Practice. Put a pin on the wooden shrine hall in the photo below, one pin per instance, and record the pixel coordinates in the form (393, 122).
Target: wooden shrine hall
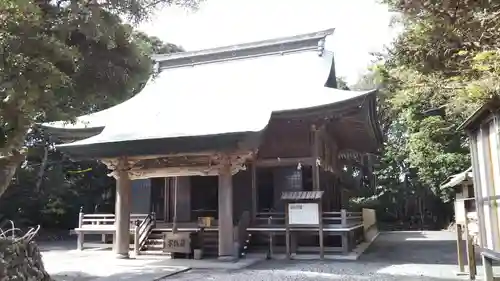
(213, 142)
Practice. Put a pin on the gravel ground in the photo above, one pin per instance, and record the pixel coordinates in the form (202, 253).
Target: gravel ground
(393, 256)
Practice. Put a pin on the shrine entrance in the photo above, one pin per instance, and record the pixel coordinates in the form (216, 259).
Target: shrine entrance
(204, 196)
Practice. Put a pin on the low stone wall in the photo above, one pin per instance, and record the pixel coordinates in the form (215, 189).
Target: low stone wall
(21, 261)
(369, 224)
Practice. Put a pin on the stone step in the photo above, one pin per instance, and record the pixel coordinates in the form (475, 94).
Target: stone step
(154, 241)
(154, 253)
(153, 247)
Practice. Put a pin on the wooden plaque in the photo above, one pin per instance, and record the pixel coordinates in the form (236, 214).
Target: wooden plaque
(177, 243)
(460, 214)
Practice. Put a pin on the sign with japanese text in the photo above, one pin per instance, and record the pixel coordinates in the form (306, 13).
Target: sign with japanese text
(303, 214)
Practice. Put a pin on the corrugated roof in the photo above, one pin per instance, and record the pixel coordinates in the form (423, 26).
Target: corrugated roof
(301, 195)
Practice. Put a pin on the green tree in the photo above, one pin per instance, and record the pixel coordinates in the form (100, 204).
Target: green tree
(342, 84)
(442, 66)
(61, 59)
(49, 188)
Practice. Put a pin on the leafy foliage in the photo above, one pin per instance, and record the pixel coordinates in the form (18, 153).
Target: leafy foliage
(61, 59)
(442, 66)
(50, 191)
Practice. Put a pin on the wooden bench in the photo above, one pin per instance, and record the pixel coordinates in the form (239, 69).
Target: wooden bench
(103, 224)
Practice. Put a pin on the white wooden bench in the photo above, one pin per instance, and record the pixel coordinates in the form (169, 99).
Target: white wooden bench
(103, 224)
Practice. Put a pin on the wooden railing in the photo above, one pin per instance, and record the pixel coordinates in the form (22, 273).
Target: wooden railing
(142, 231)
(103, 224)
(103, 220)
(342, 218)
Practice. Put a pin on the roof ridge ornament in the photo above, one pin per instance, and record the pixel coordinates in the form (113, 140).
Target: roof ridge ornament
(321, 46)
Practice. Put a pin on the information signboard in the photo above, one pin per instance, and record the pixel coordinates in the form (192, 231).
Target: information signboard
(460, 214)
(303, 214)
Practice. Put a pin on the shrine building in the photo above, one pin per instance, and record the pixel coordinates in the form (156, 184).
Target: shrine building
(227, 133)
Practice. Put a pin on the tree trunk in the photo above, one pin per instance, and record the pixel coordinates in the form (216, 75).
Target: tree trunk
(43, 166)
(8, 167)
(12, 153)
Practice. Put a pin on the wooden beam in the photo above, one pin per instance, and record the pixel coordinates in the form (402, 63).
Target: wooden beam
(179, 172)
(307, 161)
(215, 156)
(144, 157)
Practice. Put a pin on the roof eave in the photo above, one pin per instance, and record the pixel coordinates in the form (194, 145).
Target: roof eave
(374, 120)
(457, 179)
(220, 142)
(72, 134)
(486, 109)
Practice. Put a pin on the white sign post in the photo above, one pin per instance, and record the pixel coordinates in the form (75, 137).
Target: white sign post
(303, 214)
(303, 210)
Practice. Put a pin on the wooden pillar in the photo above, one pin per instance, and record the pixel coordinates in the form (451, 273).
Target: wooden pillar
(469, 246)
(315, 154)
(122, 211)
(226, 236)
(81, 235)
(166, 199)
(460, 250)
(254, 189)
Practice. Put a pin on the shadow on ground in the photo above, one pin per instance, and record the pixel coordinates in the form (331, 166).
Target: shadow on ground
(413, 247)
(427, 256)
(65, 245)
(72, 276)
(140, 274)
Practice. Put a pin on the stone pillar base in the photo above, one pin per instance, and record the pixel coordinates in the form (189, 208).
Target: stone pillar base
(227, 259)
(122, 256)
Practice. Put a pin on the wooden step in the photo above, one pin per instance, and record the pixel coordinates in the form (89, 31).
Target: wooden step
(211, 243)
(154, 253)
(154, 241)
(152, 247)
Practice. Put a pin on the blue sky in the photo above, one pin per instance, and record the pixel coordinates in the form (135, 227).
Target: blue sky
(362, 26)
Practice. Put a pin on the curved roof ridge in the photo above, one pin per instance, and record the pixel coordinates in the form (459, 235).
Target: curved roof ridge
(295, 43)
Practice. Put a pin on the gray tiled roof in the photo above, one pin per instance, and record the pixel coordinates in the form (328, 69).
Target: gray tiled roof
(301, 195)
